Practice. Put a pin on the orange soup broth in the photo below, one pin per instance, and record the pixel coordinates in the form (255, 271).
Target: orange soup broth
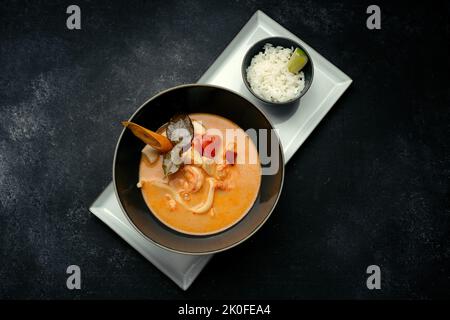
(229, 206)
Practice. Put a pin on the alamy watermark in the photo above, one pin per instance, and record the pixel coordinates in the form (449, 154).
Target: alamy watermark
(230, 145)
(74, 280)
(374, 20)
(374, 280)
(73, 22)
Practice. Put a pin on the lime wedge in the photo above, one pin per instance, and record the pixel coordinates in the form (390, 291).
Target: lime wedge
(297, 61)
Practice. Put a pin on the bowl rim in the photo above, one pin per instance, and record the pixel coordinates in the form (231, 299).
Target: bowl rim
(211, 251)
(247, 84)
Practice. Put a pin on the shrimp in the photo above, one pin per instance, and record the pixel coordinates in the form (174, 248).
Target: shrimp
(226, 185)
(171, 202)
(194, 177)
(190, 179)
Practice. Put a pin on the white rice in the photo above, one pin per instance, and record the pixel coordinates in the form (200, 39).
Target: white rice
(270, 78)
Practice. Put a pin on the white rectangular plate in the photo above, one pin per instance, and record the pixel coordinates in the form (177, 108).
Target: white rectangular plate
(328, 85)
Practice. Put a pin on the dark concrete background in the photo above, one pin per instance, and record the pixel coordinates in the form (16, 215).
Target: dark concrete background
(369, 186)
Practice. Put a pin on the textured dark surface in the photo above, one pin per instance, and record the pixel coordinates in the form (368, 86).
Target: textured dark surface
(369, 186)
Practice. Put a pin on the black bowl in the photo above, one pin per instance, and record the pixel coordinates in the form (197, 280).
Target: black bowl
(154, 113)
(308, 70)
